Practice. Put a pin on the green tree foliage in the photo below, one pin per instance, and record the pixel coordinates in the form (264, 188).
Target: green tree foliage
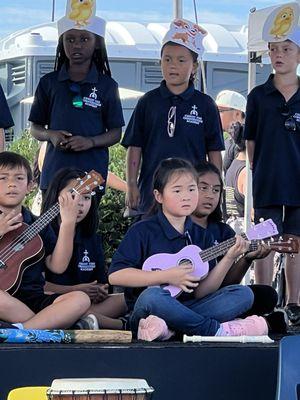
(113, 225)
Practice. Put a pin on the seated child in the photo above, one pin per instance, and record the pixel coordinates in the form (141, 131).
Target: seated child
(203, 308)
(209, 216)
(29, 306)
(85, 269)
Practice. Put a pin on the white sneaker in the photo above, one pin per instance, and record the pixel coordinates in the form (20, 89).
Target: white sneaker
(89, 322)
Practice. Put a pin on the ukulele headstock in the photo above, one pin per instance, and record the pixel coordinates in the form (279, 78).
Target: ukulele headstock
(88, 183)
(290, 246)
(262, 230)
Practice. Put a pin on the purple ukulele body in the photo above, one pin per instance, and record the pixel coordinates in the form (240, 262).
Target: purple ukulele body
(199, 258)
(189, 254)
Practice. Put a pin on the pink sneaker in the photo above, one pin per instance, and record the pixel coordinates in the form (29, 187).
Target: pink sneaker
(250, 326)
(153, 328)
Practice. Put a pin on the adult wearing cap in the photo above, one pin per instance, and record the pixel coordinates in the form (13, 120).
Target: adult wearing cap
(232, 107)
(272, 131)
(6, 120)
(174, 120)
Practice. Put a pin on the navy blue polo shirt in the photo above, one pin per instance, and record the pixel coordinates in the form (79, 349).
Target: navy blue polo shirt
(86, 265)
(276, 163)
(152, 236)
(101, 112)
(33, 280)
(6, 120)
(197, 132)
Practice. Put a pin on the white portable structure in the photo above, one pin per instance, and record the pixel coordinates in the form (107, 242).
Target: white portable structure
(134, 53)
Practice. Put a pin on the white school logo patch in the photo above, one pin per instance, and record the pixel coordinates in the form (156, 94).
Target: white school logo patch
(86, 264)
(92, 100)
(193, 117)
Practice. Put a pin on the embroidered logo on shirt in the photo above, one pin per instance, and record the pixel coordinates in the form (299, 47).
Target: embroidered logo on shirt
(92, 101)
(193, 117)
(297, 117)
(86, 264)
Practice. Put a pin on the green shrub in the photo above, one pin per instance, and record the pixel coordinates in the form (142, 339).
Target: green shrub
(113, 225)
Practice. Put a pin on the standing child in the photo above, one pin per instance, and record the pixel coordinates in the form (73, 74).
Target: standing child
(174, 120)
(208, 215)
(203, 308)
(85, 269)
(29, 307)
(272, 131)
(77, 108)
(6, 120)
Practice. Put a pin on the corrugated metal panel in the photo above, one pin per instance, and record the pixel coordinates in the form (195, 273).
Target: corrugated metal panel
(18, 73)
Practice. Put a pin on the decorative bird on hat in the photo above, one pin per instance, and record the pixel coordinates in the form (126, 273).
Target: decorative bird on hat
(282, 22)
(81, 11)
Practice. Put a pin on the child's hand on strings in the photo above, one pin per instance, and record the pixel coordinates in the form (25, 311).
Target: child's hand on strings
(69, 207)
(10, 222)
(262, 251)
(181, 277)
(240, 247)
(79, 143)
(59, 138)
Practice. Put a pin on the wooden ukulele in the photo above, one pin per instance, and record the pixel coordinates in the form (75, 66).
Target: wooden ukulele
(24, 247)
(199, 258)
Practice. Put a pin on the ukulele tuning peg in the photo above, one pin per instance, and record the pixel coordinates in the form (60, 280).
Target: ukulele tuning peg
(101, 187)
(272, 239)
(280, 239)
(93, 193)
(261, 219)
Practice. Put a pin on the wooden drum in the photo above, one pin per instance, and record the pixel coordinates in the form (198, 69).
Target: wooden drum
(99, 389)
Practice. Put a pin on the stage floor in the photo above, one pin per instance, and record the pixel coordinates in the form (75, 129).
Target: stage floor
(177, 371)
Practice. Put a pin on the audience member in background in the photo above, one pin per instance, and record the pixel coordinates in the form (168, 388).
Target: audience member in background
(232, 106)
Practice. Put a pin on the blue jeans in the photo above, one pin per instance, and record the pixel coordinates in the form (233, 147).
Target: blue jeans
(193, 317)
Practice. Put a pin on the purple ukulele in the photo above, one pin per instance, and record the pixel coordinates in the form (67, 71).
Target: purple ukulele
(199, 258)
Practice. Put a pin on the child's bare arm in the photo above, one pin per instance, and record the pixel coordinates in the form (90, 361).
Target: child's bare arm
(133, 160)
(250, 145)
(57, 138)
(215, 157)
(178, 276)
(81, 143)
(59, 260)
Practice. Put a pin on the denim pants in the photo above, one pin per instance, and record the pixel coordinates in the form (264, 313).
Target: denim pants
(196, 316)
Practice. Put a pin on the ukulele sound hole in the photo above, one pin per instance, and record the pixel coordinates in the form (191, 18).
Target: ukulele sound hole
(185, 261)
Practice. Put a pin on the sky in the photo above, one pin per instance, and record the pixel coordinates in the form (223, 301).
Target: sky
(20, 14)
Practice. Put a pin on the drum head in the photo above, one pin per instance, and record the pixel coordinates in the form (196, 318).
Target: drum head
(100, 386)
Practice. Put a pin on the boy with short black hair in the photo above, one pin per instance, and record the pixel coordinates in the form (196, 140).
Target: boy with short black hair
(30, 307)
(272, 131)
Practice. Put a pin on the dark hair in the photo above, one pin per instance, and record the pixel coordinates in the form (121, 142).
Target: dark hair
(60, 180)
(99, 56)
(194, 55)
(236, 131)
(11, 160)
(203, 168)
(163, 173)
